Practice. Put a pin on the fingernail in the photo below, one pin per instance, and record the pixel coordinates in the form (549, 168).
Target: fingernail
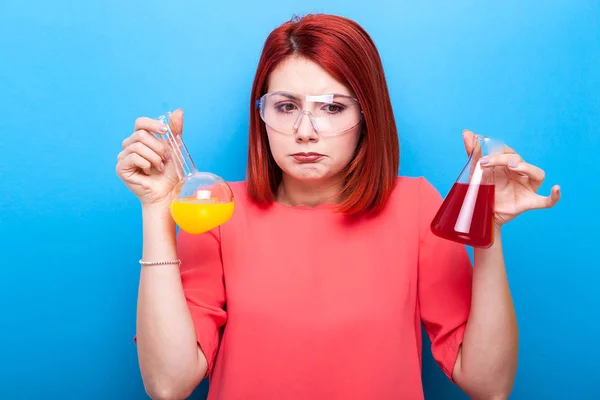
(512, 164)
(167, 155)
(163, 129)
(484, 161)
(162, 167)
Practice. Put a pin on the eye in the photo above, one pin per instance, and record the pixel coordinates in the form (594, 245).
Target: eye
(285, 107)
(333, 108)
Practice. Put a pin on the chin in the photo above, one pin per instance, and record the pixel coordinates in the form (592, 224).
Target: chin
(309, 173)
(310, 178)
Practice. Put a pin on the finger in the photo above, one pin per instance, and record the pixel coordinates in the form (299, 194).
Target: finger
(148, 139)
(150, 125)
(508, 150)
(495, 160)
(146, 152)
(535, 174)
(547, 201)
(134, 160)
(176, 122)
(468, 140)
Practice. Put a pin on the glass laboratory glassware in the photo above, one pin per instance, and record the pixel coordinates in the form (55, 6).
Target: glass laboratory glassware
(200, 201)
(467, 213)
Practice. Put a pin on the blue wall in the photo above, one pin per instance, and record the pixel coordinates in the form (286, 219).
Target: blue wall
(75, 75)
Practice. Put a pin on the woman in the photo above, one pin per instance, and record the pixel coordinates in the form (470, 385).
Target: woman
(318, 285)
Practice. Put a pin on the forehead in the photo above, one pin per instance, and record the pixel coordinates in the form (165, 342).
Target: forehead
(304, 77)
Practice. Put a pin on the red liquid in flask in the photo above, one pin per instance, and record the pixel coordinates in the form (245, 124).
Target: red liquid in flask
(467, 215)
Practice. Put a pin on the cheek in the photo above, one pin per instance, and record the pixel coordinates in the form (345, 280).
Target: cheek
(347, 146)
(279, 144)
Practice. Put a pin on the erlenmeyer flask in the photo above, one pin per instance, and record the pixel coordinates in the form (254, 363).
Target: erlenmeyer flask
(467, 214)
(200, 201)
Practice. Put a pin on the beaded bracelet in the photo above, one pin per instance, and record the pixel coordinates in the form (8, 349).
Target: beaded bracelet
(149, 263)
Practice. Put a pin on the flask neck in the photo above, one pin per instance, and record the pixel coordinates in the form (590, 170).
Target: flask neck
(473, 172)
(185, 165)
(177, 149)
(484, 146)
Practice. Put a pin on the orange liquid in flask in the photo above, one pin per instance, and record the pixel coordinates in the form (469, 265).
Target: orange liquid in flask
(198, 216)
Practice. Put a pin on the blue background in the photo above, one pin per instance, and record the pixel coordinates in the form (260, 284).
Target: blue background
(75, 75)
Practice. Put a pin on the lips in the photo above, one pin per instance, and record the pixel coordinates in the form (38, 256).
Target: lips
(307, 157)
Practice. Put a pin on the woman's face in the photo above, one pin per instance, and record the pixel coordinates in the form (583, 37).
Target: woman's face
(304, 154)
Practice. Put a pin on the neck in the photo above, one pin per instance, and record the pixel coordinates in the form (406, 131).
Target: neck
(297, 193)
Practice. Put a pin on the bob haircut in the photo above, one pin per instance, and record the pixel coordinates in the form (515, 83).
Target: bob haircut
(346, 51)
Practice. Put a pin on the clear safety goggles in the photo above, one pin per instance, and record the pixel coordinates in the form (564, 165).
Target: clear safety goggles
(329, 114)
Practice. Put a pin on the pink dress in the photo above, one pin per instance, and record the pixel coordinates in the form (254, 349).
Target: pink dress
(300, 303)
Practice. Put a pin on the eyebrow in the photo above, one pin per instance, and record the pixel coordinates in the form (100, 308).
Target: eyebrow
(286, 94)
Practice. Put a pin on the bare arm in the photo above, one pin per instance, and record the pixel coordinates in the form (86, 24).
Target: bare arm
(486, 365)
(171, 362)
(170, 359)
(487, 362)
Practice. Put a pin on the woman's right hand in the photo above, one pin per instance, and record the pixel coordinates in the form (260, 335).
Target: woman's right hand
(144, 165)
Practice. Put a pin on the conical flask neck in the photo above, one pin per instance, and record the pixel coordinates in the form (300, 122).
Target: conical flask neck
(474, 172)
(483, 146)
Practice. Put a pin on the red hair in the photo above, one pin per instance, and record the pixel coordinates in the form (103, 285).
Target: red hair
(345, 50)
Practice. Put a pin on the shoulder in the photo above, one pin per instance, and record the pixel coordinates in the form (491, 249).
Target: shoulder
(238, 188)
(413, 199)
(415, 188)
(237, 184)
(241, 198)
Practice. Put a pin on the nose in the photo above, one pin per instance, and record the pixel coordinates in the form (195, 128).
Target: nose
(306, 131)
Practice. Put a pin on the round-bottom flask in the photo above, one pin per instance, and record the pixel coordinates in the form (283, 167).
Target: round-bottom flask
(200, 201)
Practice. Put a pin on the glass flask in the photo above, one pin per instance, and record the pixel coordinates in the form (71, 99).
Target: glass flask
(200, 201)
(467, 214)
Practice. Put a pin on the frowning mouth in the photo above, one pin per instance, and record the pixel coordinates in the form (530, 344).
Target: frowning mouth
(307, 157)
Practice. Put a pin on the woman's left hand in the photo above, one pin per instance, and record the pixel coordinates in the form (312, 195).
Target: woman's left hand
(516, 183)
